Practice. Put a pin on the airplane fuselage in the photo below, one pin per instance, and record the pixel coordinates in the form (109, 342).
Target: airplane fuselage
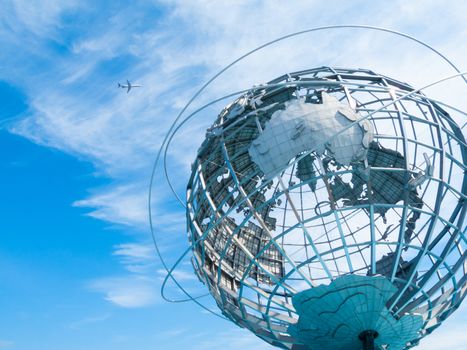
(127, 86)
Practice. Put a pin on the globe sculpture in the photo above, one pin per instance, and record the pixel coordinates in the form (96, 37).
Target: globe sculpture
(326, 211)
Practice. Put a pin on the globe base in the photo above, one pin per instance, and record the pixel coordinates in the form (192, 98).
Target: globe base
(368, 339)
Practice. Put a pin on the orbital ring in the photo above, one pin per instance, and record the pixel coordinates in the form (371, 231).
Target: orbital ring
(172, 269)
(172, 132)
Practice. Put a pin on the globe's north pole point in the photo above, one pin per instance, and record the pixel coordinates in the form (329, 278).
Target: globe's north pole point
(329, 211)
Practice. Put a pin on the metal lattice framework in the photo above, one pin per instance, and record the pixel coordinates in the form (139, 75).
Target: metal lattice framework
(257, 240)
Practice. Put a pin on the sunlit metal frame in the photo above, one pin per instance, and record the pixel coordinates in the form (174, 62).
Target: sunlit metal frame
(278, 313)
(178, 123)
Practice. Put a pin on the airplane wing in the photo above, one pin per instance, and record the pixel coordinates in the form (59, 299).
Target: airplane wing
(129, 88)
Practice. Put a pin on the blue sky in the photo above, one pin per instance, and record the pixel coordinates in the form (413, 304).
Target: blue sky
(77, 268)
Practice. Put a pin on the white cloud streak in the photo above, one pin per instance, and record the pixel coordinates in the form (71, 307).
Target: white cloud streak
(127, 291)
(89, 321)
(123, 205)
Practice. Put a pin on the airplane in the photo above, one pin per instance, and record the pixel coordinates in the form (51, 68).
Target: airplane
(127, 86)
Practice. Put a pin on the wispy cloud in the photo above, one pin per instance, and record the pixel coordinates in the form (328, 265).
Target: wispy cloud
(137, 288)
(125, 205)
(134, 253)
(127, 291)
(171, 333)
(41, 18)
(89, 321)
(137, 257)
(180, 275)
